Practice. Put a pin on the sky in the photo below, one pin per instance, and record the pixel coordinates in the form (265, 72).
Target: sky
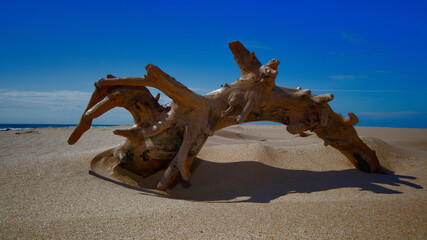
(371, 55)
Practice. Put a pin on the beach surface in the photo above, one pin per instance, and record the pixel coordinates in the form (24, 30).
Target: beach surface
(249, 182)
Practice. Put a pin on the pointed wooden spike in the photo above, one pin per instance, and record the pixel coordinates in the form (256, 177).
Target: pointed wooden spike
(247, 62)
(353, 120)
(130, 134)
(168, 177)
(84, 124)
(172, 88)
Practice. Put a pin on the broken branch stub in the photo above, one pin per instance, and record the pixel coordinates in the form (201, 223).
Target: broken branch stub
(171, 136)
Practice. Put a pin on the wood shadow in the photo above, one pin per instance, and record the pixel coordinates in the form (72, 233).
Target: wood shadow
(260, 183)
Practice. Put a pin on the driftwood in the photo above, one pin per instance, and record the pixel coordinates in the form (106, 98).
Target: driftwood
(171, 136)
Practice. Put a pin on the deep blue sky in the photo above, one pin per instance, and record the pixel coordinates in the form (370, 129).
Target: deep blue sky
(371, 55)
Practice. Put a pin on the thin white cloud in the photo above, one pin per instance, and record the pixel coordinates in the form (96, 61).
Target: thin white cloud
(56, 106)
(342, 77)
(388, 115)
(42, 106)
(51, 99)
(357, 90)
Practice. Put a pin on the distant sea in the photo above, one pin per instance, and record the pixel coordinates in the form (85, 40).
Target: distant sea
(4, 127)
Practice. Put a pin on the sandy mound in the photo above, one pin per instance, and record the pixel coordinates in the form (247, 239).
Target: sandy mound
(260, 171)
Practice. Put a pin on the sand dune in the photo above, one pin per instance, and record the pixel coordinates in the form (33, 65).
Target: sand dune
(248, 181)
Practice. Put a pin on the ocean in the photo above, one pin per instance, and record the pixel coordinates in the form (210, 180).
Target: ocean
(5, 127)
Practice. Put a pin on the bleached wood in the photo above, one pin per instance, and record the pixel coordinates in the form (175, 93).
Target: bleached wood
(171, 136)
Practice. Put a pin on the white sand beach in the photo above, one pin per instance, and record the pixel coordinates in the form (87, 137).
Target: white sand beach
(249, 182)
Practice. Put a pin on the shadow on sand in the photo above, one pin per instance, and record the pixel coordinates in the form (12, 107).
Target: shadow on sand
(261, 183)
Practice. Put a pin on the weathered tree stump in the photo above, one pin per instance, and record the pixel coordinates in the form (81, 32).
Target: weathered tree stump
(172, 135)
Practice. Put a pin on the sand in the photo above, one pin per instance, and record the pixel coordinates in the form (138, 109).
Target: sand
(249, 182)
